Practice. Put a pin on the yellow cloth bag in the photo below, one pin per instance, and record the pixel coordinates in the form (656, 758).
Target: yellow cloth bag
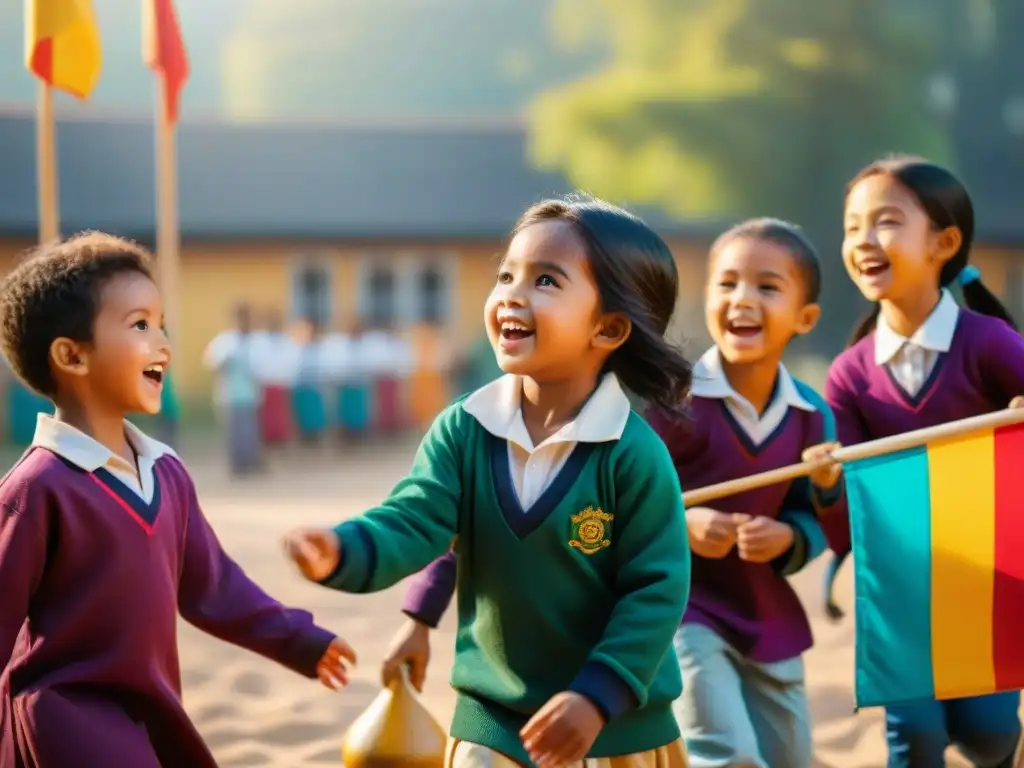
(395, 731)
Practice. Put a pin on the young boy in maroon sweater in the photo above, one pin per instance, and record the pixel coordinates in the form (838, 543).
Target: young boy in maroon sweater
(102, 541)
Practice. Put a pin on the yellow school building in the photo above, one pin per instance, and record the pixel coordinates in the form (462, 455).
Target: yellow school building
(387, 224)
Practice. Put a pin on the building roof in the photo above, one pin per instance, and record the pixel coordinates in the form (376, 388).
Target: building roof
(288, 181)
(466, 180)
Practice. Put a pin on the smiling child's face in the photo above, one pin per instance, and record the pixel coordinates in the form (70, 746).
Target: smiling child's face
(890, 247)
(129, 355)
(544, 310)
(755, 300)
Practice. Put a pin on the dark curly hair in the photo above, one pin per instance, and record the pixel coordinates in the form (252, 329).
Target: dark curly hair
(55, 293)
(636, 275)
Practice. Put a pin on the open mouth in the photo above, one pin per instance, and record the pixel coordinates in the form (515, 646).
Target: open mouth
(154, 373)
(515, 331)
(873, 267)
(743, 329)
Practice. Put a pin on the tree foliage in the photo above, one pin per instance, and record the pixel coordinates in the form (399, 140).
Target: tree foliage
(392, 59)
(735, 107)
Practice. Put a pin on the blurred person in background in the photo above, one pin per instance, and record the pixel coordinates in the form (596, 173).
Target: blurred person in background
(276, 360)
(308, 395)
(355, 393)
(429, 386)
(231, 356)
(388, 356)
(336, 359)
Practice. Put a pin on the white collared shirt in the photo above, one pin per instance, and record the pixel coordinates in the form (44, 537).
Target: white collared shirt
(83, 451)
(709, 381)
(911, 361)
(497, 407)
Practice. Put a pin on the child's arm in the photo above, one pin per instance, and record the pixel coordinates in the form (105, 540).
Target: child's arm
(215, 595)
(24, 524)
(808, 540)
(652, 579)
(850, 429)
(430, 592)
(413, 526)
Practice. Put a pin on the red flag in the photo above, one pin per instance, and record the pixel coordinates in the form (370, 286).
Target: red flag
(165, 52)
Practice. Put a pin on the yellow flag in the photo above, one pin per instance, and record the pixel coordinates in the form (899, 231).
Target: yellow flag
(62, 44)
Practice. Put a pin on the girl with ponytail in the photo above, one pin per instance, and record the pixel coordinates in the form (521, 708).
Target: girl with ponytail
(919, 360)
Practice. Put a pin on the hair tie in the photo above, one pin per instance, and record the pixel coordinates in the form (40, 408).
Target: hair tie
(969, 274)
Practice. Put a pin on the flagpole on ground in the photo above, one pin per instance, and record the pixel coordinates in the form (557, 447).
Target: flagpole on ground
(46, 165)
(164, 52)
(168, 240)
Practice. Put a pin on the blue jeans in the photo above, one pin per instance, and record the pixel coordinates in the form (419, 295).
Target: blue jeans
(738, 713)
(985, 729)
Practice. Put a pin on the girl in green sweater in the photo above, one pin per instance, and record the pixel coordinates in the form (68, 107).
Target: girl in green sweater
(573, 560)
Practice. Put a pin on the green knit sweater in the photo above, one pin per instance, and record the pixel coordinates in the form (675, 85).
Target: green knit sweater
(584, 591)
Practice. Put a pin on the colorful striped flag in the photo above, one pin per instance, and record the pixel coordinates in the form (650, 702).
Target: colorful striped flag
(938, 550)
(165, 52)
(62, 44)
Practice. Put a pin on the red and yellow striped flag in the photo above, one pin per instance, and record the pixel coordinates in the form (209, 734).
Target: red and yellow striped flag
(165, 53)
(62, 44)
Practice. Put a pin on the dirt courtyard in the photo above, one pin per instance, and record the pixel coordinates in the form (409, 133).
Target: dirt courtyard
(253, 713)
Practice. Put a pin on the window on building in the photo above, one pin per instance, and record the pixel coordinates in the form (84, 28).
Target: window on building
(431, 295)
(381, 297)
(311, 296)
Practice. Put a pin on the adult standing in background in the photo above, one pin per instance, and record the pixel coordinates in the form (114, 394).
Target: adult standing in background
(276, 361)
(231, 357)
(308, 401)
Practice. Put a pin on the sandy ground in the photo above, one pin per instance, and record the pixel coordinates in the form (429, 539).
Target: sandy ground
(254, 713)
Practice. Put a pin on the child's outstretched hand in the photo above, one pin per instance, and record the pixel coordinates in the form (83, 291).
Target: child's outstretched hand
(712, 533)
(332, 669)
(1017, 402)
(562, 731)
(317, 552)
(761, 539)
(828, 470)
(410, 648)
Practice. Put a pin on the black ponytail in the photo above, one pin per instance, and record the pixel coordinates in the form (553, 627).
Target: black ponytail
(981, 299)
(653, 369)
(636, 276)
(948, 204)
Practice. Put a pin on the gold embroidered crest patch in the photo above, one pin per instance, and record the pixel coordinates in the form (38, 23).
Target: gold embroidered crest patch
(589, 530)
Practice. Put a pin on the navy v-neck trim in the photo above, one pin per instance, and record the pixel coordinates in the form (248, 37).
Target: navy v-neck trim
(754, 449)
(914, 401)
(741, 434)
(145, 514)
(521, 521)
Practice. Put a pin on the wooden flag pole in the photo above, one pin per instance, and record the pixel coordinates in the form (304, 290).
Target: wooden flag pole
(46, 165)
(168, 241)
(867, 450)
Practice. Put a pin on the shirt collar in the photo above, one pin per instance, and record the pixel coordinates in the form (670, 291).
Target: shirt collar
(497, 407)
(936, 334)
(709, 381)
(85, 452)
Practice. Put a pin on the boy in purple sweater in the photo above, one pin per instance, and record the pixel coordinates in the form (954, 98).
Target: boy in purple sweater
(102, 541)
(917, 361)
(744, 632)
(739, 647)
